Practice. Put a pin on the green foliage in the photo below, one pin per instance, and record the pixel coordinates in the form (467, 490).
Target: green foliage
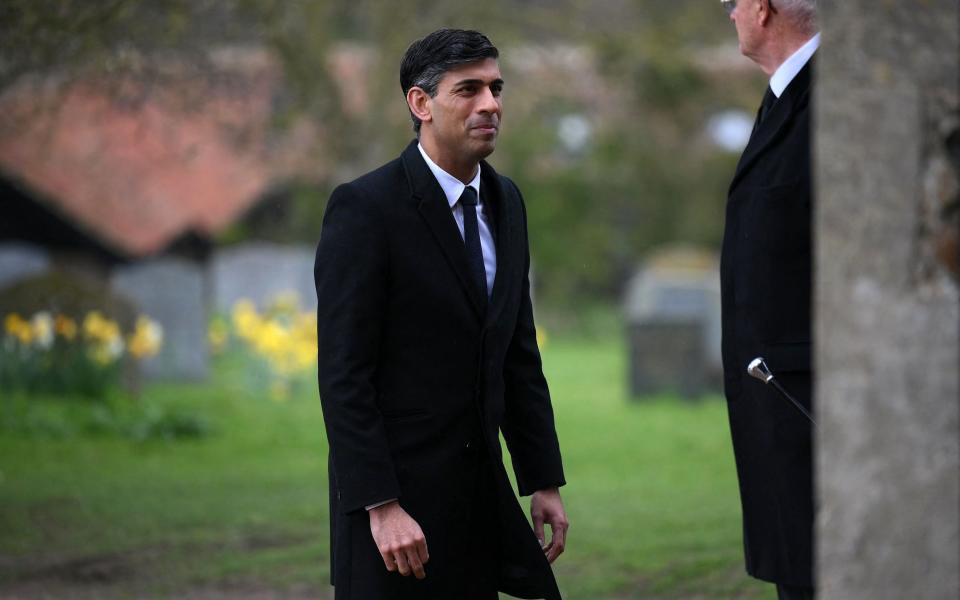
(66, 367)
(47, 417)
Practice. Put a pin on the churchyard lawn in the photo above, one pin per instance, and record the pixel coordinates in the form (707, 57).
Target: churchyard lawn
(242, 512)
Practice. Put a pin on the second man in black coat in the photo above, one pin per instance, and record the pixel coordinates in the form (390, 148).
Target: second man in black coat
(766, 279)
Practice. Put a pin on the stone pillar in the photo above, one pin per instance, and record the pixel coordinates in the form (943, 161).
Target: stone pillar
(887, 303)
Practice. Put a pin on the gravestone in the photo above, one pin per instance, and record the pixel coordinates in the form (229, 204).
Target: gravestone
(172, 292)
(887, 303)
(19, 261)
(673, 320)
(260, 272)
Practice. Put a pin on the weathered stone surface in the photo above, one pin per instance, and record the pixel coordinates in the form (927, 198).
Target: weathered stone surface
(18, 261)
(261, 271)
(673, 317)
(173, 292)
(887, 307)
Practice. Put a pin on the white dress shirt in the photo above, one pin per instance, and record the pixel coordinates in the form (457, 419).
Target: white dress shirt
(452, 189)
(790, 67)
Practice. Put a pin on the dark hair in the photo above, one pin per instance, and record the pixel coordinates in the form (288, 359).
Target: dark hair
(427, 59)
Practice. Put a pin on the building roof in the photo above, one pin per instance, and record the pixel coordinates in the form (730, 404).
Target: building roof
(136, 165)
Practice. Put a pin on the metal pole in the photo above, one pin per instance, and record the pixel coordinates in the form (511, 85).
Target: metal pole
(758, 369)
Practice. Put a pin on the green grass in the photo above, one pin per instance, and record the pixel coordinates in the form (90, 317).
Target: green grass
(652, 496)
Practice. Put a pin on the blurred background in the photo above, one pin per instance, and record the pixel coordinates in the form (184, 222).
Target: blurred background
(164, 168)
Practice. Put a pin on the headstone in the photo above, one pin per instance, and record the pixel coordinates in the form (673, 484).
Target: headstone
(172, 292)
(19, 261)
(887, 302)
(260, 272)
(673, 320)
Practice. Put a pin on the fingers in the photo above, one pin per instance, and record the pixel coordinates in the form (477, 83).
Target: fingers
(558, 543)
(388, 560)
(416, 566)
(422, 550)
(407, 558)
(402, 565)
(537, 518)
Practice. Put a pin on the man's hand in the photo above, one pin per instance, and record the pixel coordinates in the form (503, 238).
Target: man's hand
(547, 507)
(400, 540)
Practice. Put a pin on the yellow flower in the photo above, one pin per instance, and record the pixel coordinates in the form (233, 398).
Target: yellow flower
(542, 338)
(246, 321)
(306, 355)
(18, 327)
(306, 324)
(284, 337)
(106, 343)
(271, 338)
(65, 327)
(100, 329)
(146, 339)
(108, 353)
(42, 328)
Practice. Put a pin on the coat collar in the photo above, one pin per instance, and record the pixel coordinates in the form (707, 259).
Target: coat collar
(795, 97)
(433, 207)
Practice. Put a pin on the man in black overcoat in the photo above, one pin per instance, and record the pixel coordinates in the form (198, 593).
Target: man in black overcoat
(766, 288)
(428, 352)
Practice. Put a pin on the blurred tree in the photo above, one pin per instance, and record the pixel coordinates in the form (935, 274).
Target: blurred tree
(606, 104)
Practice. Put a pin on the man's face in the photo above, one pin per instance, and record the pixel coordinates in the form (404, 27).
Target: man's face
(466, 111)
(744, 17)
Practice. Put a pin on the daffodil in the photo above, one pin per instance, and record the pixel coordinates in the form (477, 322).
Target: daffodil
(41, 326)
(100, 329)
(103, 335)
(65, 327)
(19, 328)
(246, 320)
(542, 338)
(146, 339)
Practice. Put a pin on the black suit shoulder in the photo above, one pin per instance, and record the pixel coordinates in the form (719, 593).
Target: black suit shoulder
(377, 186)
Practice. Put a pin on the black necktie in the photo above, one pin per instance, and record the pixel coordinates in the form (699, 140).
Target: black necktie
(471, 237)
(769, 99)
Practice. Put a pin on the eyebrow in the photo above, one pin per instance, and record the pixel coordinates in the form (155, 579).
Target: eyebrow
(477, 81)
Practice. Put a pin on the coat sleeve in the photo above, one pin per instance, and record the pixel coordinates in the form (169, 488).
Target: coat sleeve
(528, 424)
(350, 274)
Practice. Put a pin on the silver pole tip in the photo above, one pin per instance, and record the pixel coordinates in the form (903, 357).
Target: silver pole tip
(759, 369)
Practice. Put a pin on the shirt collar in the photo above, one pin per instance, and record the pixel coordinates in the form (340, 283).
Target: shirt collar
(790, 67)
(452, 187)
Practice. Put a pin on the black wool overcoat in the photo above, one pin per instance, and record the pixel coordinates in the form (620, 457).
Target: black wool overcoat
(765, 290)
(414, 363)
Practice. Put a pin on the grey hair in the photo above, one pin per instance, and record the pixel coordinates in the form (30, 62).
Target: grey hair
(803, 12)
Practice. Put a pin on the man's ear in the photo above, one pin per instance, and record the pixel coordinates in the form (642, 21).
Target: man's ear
(764, 11)
(419, 103)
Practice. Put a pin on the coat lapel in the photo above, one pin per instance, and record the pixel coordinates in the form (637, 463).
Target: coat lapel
(433, 207)
(500, 212)
(794, 97)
